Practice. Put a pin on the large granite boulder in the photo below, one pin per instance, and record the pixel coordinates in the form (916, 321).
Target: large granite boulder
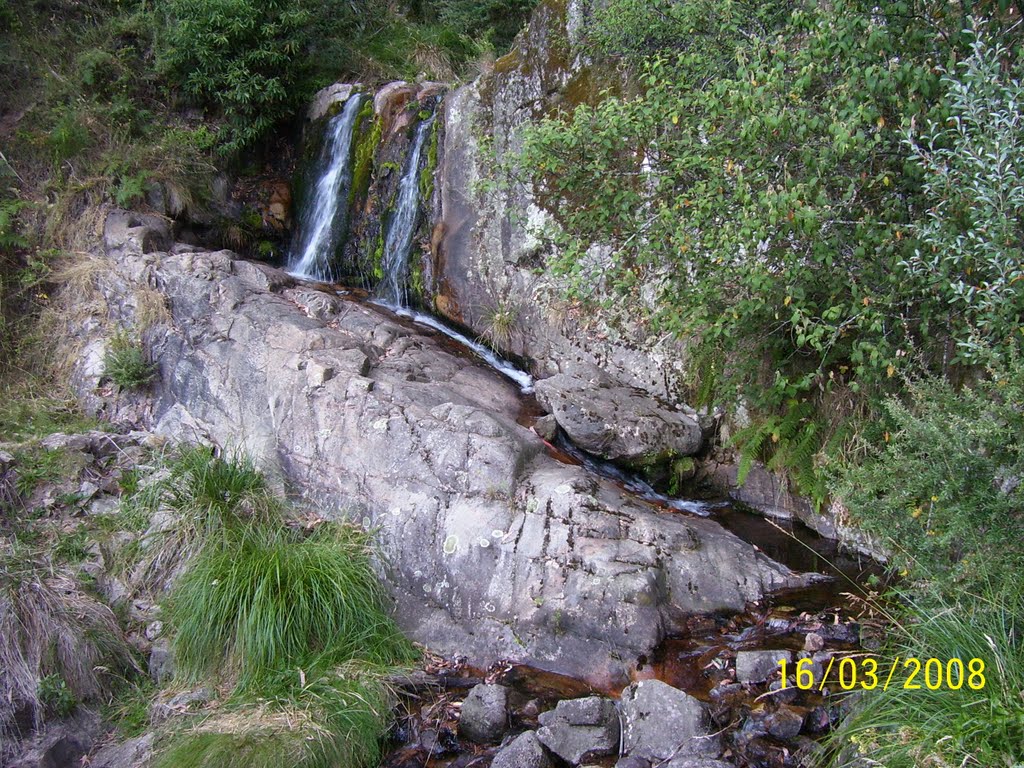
(493, 548)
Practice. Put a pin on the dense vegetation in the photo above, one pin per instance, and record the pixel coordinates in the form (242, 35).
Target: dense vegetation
(142, 104)
(826, 199)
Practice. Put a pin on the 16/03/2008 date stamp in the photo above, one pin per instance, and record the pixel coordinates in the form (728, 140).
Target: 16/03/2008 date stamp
(869, 673)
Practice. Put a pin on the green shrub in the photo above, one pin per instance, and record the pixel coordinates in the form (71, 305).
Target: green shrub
(126, 365)
(55, 696)
(337, 718)
(944, 483)
(242, 56)
(972, 240)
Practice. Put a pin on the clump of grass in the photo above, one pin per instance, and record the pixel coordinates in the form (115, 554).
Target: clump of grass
(57, 643)
(339, 718)
(126, 365)
(908, 728)
(25, 415)
(293, 621)
(270, 597)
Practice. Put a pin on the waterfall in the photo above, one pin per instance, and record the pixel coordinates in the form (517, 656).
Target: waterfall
(324, 217)
(401, 227)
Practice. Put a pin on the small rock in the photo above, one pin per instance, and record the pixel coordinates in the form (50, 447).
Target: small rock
(846, 634)
(785, 723)
(180, 704)
(696, 762)
(134, 753)
(578, 729)
(154, 630)
(784, 695)
(161, 661)
(546, 427)
(813, 642)
(525, 751)
(438, 742)
(484, 714)
(818, 720)
(758, 666)
(660, 722)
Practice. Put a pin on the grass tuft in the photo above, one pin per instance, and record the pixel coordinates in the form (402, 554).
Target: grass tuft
(269, 598)
(908, 728)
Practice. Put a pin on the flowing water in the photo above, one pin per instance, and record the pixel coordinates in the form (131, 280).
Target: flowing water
(694, 658)
(323, 222)
(401, 226)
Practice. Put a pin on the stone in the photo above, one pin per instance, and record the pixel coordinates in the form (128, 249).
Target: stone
(180, 704)
(496, 549)
(134, 753)
(696, 762)
(525, 751)
(484, 714)
(813, 642)
(784, 723)
(62, 743)
(326, 98)
(758, 666)
(161, 661)
(616, 422)
(578, 729)
(660, 722)
(546, 427)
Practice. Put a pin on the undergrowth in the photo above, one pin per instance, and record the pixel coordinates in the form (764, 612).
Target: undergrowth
(980, 723)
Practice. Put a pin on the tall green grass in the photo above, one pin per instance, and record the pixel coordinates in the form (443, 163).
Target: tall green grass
(269, 599)
(293, 622)
(910, 728)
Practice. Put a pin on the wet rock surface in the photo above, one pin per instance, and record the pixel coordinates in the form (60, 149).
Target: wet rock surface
(615, 422)
(494, 549)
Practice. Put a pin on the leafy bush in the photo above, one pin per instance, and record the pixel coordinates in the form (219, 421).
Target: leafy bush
(944, 486)
(126, 365)
(242, 56)
(494, 22)
(971, 254)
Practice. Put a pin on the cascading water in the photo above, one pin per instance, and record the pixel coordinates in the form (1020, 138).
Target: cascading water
(325, 216)
(401, 227)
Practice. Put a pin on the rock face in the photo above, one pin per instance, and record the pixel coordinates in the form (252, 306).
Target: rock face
(493, 548)
(486, 251)
(660, 723)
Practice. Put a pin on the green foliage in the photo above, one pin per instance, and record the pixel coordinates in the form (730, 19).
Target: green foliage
(10, 236)
(126, 365)
(335, 720)
(494, 23)
(40, 465)
(240, 55)
(908, 728)
(24, 416)
(972, 241)
(759, 193)
(945, 490)
(69, 135)
(55, 696)
(293, 620)
(267, 600)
